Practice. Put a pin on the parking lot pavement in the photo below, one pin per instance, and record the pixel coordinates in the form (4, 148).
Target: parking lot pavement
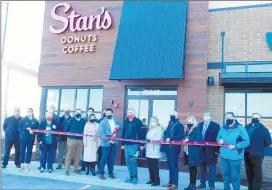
(10, 181)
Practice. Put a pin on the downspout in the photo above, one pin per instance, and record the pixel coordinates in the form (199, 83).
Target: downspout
(223, 45)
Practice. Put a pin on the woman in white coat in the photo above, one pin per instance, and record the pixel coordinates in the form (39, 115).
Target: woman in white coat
(91, 144)
(153, 152)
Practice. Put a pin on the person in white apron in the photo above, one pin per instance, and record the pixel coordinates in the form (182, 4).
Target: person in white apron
(91, 144)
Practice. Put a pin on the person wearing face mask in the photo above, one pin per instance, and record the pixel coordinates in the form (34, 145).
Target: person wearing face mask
(260, 138)
(231, 157)
(12, 138)
(209, 130)
(62, 139)
(153, 152)
(27, 138)
(193, 155)
(108, 128)
(91, 144)
(99, 151)
(74, 143)
(48, 142)
(132, 130)
(174, 132)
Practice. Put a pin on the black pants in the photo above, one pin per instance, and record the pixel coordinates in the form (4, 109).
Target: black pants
(193, 174)
(254, 172)
(90, 165)
(153, 167)
(8, 146)
(99, 153)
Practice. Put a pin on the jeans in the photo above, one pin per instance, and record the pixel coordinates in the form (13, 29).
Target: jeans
(8, 146)
(130, 151)
(254, 172)
(108, 157)
(172, 162)
(47, 156)
(212, 174)
(153, 167)
(231, 173)
(62, 149)
(26, 150)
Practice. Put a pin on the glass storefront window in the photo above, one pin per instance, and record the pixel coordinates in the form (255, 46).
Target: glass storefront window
(235, 68)
(235, 102)
(259, 103)
(53, 97)
(96, 99)
(260, 68)
(67, 99)
(81, 101)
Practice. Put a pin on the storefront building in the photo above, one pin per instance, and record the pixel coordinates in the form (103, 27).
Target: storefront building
(157, 57)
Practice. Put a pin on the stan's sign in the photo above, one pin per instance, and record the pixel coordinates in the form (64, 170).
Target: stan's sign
(76, 23)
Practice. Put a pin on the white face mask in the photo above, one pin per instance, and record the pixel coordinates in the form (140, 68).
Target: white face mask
(153, 123)
(206, 118)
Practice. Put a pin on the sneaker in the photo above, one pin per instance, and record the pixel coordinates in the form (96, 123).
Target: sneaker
(112, 176)
(201, 186)
(77, 172)
(167, 185)
(22, 167)
(58, 167)
(66, 173)
(129, 180)
(4, 166)
(27, 167)
(135, 181)
(102, 177)
(50, 170)
(41, 170)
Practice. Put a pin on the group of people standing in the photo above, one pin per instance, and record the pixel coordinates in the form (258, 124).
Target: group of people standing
(96, 145)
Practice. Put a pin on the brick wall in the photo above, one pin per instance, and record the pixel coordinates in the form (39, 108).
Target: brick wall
(245, 34)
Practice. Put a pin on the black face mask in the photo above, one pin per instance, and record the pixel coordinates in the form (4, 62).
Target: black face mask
(255, 120)
(172, 117)
(229, 121)
(78, 115)
(109, 116)
(92, 120)
(189, 126)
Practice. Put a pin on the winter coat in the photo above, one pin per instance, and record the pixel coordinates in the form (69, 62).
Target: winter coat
(132, 130)
(91, 143)
(260, 138)
(154, 150)
(211, 133)
(24, 124)
(75, 126)
(62, 122)
(175, 132)
(195, 156)
(105, 130)
(237, 135)
(10, 128)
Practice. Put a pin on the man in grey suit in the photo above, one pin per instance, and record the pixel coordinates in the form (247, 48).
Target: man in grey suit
(108, 128)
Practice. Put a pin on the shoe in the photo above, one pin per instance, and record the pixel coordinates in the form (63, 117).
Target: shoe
(155, 184)
(4, 166)
(27, 167)
(58, 167)
(41, 170)
(173, 187)
(212, 188)
(201, 186)
(50, 170)
(102, 177)
(66, 173)
(129, 180)
(112, 176)
(93, 171)
(77, 172)
(135, 181)
(167, 185)
(191, 187)
(22, 167)
(18, 166)
(149, 182)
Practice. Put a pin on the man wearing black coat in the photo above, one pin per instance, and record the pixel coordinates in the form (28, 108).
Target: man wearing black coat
(12, 137)
(209, 130)
(174, 132)
(260, 138)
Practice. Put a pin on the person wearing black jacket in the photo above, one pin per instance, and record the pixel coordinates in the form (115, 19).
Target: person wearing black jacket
(12, 137)
(27, 138)
(260, 138)
(62, 139)
(132, 130)
(174, 132)
(209, 130)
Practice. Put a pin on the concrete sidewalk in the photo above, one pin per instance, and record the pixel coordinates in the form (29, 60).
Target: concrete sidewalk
(120, 172)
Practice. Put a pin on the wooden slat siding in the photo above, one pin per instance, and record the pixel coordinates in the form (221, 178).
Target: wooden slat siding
(93, 69)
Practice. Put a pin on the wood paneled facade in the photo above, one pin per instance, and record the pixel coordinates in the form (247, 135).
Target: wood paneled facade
(92, 69)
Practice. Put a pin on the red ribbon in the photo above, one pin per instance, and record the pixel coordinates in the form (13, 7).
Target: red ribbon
(202, 143)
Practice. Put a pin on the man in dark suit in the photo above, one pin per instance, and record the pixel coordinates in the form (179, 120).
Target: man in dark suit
(209, 131)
